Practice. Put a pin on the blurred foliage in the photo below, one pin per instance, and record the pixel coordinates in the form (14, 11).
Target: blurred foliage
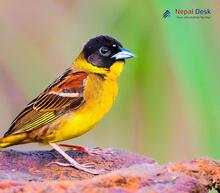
(169, 99)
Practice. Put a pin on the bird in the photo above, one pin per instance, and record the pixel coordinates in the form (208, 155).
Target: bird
(75, 102)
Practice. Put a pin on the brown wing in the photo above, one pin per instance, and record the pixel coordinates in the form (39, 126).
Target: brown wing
(64, 94)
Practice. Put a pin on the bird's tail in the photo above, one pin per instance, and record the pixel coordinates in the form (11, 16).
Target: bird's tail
(12, 140)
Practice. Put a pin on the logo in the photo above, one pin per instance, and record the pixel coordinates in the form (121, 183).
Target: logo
(193, 13)
(166, 14)
(189, 13)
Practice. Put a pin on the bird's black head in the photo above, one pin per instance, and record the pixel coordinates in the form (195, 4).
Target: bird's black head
(103, 51)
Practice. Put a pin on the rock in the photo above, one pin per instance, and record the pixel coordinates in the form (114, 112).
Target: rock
(126, 172)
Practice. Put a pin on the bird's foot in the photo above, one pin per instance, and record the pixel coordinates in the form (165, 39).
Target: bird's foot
(99, 151)
(87, 167)
(89, 151)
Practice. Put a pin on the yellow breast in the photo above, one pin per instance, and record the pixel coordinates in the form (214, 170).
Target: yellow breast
(99, 95)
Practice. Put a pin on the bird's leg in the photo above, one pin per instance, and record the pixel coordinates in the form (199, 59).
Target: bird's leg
(88, 167)
(89, 151)
(75, 147)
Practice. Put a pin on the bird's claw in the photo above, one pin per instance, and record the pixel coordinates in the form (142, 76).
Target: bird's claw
(60, 164)
(89, 151)
(99, 151)
(88, 167)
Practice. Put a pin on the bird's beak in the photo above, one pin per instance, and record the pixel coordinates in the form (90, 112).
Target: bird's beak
(123, 54)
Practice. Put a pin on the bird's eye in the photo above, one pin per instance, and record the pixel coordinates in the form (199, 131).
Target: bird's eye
(104, 51)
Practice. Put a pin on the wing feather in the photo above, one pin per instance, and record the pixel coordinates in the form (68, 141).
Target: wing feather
(64, 94)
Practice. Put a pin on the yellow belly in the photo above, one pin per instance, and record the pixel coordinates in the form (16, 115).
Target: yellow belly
(98, 101)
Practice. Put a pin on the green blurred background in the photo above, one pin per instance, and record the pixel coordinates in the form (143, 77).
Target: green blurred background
(169, 100)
